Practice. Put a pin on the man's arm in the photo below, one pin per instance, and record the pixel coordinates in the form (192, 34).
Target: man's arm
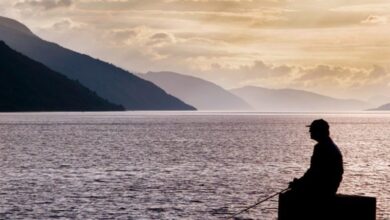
(309, 175)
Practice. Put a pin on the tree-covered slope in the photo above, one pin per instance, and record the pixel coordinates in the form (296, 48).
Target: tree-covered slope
(108, 81)
(26, 85)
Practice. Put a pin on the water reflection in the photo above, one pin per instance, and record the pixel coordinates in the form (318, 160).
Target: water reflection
(174, 166)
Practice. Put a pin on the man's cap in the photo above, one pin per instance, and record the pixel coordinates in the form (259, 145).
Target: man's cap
(319, 124)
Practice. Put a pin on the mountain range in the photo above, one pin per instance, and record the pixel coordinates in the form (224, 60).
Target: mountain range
(291, 100)
(26, 85)
(379, 100)
(108, 81)
(385, 107)
(205, 95)
(202, 94)
(143, 92)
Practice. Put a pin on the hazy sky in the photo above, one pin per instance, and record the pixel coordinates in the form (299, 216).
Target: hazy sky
(334, 47)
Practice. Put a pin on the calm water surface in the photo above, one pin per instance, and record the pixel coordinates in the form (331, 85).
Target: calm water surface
(175, 165)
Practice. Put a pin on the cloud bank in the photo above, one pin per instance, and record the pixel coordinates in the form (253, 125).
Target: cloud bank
(45, 4)
(312, 45)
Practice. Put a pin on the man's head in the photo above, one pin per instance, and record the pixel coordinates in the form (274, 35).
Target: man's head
(319, 129)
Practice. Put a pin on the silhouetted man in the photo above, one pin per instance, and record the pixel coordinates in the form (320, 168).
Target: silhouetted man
(326, 167)
(311, 195)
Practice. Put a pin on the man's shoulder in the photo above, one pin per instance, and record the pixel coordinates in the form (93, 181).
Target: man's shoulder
(328, 146)
(328, 142)
(333, 148)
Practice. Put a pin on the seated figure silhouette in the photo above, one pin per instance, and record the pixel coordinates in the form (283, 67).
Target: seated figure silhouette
(314, 191)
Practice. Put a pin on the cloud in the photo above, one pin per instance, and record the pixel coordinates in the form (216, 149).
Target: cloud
(375, 19)
(258, 14)
(149, 42)
(365, 7)
(160, 39)
(178, 5)
(45, 4)
(257, 73)
(4, 7)
(347, 75)
(378, 73)
(66, 24)
(261, 70)
(337, 81)
(104, 1)
(61, 25)
(121, 37)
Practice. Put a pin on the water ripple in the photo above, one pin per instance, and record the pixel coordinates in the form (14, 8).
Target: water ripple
(173, 166)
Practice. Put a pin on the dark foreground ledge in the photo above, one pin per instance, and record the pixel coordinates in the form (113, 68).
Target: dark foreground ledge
(339, 207)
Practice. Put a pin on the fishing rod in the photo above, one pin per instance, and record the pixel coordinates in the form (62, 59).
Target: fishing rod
(258, 203)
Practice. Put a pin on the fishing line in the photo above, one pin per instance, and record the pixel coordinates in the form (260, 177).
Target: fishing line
(258, 203)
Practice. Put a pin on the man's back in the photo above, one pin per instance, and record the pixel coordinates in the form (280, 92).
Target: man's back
(326, 169)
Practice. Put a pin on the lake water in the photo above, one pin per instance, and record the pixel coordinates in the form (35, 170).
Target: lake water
(175, 165)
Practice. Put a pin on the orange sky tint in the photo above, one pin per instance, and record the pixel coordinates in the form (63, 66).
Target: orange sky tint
(334, 47)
